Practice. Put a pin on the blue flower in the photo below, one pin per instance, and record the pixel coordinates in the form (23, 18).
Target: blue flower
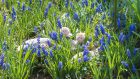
(44, 51)
(23, 6)
(96, 28)
(85, 58)
(98, 8)
(85, 2)
(9, 32)
(49, 5)
(128, 53)
(122, 37)
(27, 61)
(2, 1)
(46, 61)
(102, 40)
(54, 47)
(61, 36)
(109, 38)
(125, 64)
(90, 39)
(29, 8)
(71, 5)
(46, 12)
(92, 5)
(4, 17)
(1, 59)
(133, 68)
(49, 43)
(75, 16)
(53, 35)
(34, 50)
(132, 28)
(30, 1)
(5, 66)
(51, 53)
(13, 14)
(60, 65)
(40, 2)
(119, 23)
(96, 34)
(66, 3)
(59, 23)
(4, 46)
(102, 29)
(35, 29)
(38, 53)
(135, 51)
(86, 51)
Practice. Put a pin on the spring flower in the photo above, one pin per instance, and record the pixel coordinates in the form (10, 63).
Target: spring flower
(86, 51)
(1, 59)
(92, 5)
(46, 61)
(23, 6)
(49, 5)
(9, 32)
(61, 36)
(65, 31)
(38, 53)
(128, 53)
(35, 29)
(53, 35)
(51, 53)
(71, 5)
(109, 38)
(122, 37)
(44, 51)
(4, 17)
(46, 12)
(75, 16)
(79, 60)
(135, 51)
(132, 28)
(125, 64)
(85, 2)
(5, 66)
(85, 58)
(13, 13)
(96, 34)
(80, 37)
(133, 68)
(40, 2)
(59, 23)
(28, 8)
(102, 40)
(102, 29)
(4, 46)
(2, 1)
(119, 22)
(60, 65)
(90, 39)
(98, 8)
(34, 50)
(66, 3)
(49, 43)
(30, 1)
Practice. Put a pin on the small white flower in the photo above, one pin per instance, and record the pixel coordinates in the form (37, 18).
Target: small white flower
(65, 31)
(80, 37)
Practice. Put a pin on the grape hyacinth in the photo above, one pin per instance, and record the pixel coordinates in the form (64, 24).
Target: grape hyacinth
(60, 65)
(125, 64)
(53, 35)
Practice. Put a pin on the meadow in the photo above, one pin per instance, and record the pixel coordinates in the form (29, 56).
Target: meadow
(69, 39)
